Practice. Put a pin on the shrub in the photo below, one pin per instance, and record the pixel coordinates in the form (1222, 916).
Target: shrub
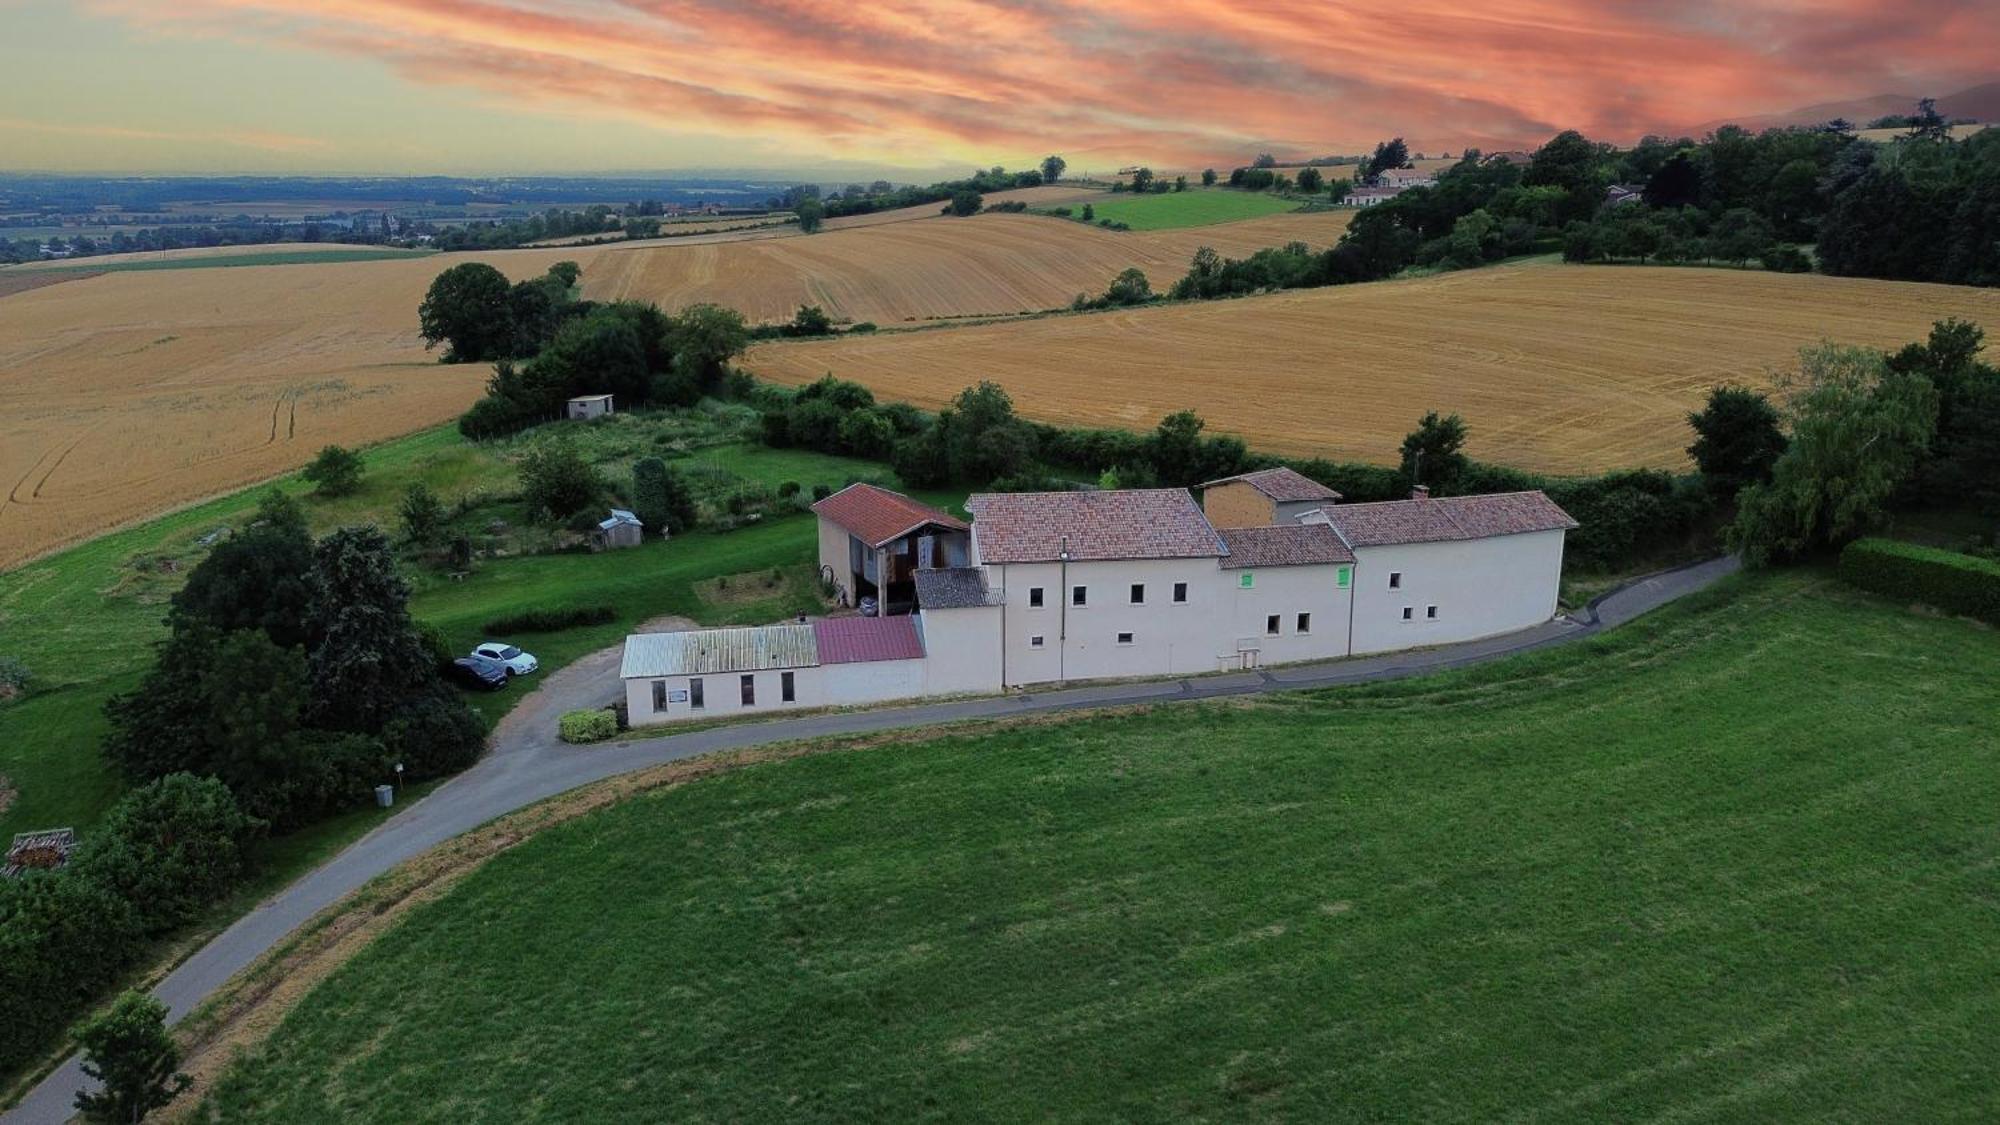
(169, 848)
(863, 327)
(434, 736)
(1955, 583)
(550, 620)
(1783, 258)
(65, 940)
(14, 678)
(335, 472)
(587, 726)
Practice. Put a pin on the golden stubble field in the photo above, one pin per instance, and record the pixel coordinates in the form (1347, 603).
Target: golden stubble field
(128, 393)
(1563, 369)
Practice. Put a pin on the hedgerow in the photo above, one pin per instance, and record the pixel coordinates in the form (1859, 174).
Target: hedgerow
(1955, 583)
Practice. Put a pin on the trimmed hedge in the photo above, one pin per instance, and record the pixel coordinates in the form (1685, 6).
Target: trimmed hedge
(1955, 583)
(551, 620)
(587, 726)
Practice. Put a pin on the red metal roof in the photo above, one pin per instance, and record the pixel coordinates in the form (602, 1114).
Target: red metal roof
(853, 640)
(877, 516)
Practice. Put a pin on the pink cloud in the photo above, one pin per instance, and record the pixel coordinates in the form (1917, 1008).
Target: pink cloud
(1180, 82)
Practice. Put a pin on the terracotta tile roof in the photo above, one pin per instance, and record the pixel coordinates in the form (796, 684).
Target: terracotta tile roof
(854, 640)
(1448, 518)
(1281, 484)
(959, 587)
(1307, 544)
(877, 516)
(1140, 523)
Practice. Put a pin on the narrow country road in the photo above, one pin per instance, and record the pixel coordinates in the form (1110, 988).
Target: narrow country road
(527, 764)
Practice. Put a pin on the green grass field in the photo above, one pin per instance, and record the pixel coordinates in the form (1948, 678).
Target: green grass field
(111, 263)
(1195, 207)
(1735, 861)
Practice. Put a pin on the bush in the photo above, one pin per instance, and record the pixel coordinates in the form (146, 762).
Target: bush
(434, 736)
(65, 940)
(587, 726)
(14, 678)
(335, 472)
(1786, 259)
(550, 620)
(169, 848)
(1955, 583)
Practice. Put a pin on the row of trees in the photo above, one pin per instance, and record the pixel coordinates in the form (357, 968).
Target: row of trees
(1925, 208)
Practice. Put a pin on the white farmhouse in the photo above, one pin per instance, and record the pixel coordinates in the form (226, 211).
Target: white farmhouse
(1049, 587)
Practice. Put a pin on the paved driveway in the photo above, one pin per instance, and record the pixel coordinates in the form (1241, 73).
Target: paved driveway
(527, 763)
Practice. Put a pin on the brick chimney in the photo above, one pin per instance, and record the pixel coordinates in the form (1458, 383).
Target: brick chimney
(1420, 492)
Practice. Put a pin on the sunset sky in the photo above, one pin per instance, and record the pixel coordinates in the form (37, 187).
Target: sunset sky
(487, 86)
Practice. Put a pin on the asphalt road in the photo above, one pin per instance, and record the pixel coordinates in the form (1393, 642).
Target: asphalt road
(527, 763)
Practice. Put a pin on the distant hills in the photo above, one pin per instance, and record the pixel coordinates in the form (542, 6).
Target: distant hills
(1981, 103)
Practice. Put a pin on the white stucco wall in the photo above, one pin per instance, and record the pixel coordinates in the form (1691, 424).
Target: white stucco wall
(963, 649)
(1082, 643)
(833, 552)
(828, 685)
(1480, 587)
(1287, 591)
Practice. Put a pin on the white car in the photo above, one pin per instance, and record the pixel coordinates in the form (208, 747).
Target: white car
(516, 662)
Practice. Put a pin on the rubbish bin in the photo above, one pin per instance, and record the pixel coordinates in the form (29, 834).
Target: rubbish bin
(385, 795)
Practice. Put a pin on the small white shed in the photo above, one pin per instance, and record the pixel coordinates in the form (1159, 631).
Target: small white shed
(586, 407)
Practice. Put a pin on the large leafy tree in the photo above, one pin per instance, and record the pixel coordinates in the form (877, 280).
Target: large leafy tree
(703, 339)
(1052, 168)
(1737, 440)
(368, 658)
(660, 498)
(1433, 454)
(258, 578)
(1858, 431)
(467, 308)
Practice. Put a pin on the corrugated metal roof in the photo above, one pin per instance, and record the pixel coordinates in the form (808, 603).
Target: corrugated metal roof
(704, 651)
(855, 640)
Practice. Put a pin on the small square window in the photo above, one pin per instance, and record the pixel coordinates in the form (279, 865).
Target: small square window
(1124, 638)
(1305, 623)
(1138, 593)
(1246, 581)
(1395, 580)
(1180, 593)
(1271, 625)
(1034, 597)
(1431, 612)
(1079, 595)
(1035, 641)
(1409, 613)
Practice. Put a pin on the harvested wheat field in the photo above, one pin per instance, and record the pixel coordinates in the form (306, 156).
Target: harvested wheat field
(130, 392)
(1563, 369)
(906, 271)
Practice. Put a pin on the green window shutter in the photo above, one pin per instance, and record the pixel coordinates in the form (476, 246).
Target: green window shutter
(1346, 576)
(1247, 581)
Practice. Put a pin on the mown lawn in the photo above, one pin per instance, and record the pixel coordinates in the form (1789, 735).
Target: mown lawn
(1735, 861)
(1195, 207)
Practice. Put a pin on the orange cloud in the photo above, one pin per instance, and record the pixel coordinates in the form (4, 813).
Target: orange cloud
(1179, 82)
